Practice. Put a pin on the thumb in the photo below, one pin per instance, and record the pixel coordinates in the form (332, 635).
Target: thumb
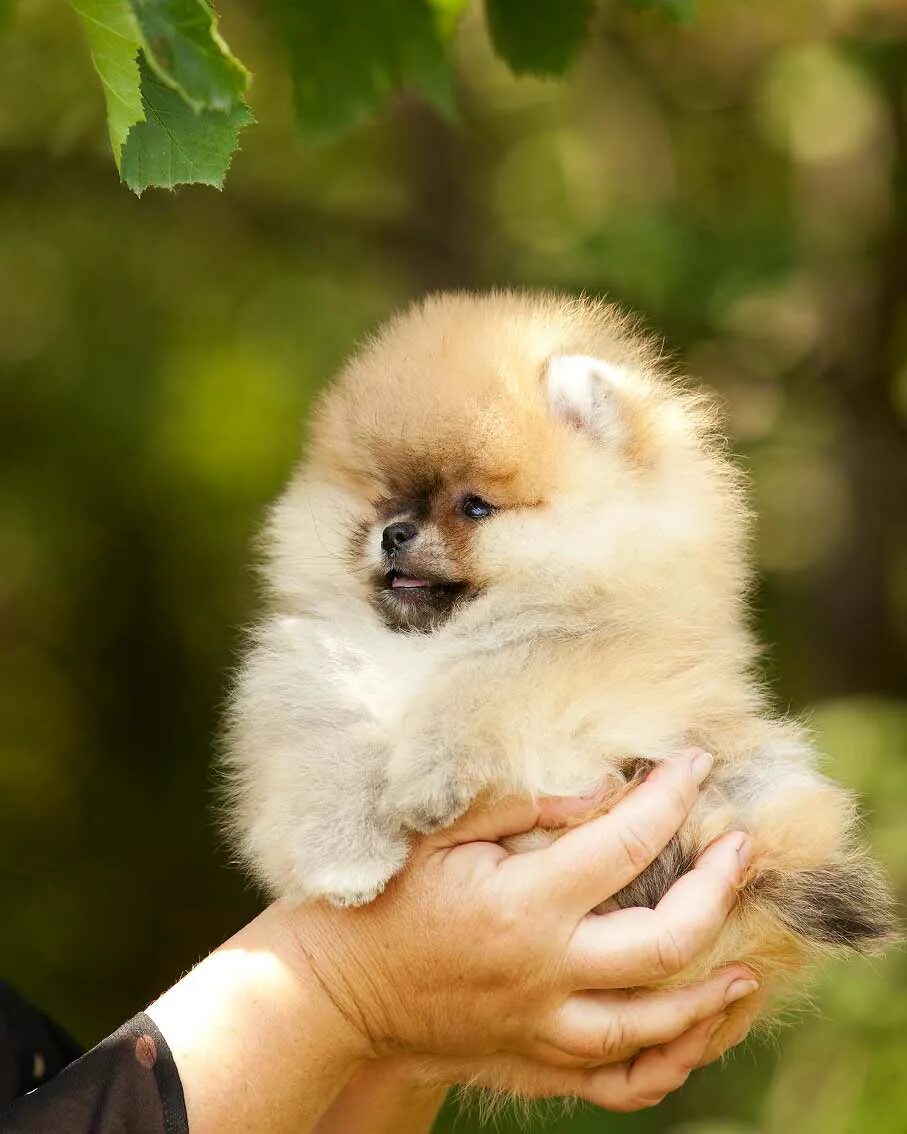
(491, 819)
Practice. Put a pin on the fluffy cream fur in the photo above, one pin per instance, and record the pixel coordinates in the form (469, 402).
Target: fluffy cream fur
(592, 623)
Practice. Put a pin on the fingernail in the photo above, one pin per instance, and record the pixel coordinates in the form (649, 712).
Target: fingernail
(701, 765)
(739, 988)
(744, 849)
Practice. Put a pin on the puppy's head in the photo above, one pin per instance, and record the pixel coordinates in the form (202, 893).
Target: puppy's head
(516, 447)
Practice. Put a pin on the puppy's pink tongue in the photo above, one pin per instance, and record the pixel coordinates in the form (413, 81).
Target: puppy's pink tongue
(405, 581)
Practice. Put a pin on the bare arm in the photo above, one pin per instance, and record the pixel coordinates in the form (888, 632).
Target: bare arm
(258, 1043)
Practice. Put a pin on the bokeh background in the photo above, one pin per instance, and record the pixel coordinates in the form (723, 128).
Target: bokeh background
(740, 180)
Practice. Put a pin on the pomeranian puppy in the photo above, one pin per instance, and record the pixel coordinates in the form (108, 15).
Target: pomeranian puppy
(515, 559)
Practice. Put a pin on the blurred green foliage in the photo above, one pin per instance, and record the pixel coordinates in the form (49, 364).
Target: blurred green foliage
(740, 179)
(175, 92)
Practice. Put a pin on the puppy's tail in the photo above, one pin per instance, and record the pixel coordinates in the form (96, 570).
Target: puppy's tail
(842, 906)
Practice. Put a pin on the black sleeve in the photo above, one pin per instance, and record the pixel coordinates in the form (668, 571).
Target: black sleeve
(32, 1047)
(128, 1084)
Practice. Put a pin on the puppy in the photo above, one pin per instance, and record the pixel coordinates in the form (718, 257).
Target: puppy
(515, 559)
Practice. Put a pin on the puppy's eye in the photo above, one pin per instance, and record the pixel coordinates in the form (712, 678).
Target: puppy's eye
(475, 508)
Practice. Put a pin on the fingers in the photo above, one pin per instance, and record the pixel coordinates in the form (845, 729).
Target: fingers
(645, 1081)
(644, 946)
(489, 822)
(622, 1087)
(589, 864)
(736, 1026)
(605, 1027)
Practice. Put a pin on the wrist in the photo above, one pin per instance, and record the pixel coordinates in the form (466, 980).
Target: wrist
(299, 939)
(253, 1013)
(332, 949)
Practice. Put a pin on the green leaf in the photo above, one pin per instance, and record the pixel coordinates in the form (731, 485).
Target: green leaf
(184, 48)
(538, 36)
(176, 145)
(348, 58)
(178, 39)
(114, 40)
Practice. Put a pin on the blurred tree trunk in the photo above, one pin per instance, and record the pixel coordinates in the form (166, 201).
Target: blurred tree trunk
(444, 217)
(855, 594)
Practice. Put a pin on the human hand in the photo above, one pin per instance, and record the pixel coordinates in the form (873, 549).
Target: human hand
(490, 967)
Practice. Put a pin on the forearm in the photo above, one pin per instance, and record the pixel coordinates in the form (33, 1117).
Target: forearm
(386, 1097)
(258, 1044)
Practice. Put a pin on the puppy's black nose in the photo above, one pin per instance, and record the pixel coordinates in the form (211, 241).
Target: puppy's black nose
(397, 534)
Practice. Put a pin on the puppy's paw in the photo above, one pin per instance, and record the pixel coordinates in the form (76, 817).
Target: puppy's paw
(355, 888)
(355, 882)
(428, 801)
(349, 885)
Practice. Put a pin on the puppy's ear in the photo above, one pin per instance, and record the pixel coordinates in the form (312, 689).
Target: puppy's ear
(585, 393)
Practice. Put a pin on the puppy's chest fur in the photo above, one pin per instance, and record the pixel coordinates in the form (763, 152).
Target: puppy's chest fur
(541, 714)
(446, 718)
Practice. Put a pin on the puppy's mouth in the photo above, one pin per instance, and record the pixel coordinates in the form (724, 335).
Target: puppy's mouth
(398, 582)
(418, 602)
(420, 589)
